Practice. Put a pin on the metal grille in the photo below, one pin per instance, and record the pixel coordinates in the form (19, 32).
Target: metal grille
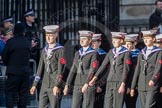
(32, 99)
(95, 15)
(99, 16)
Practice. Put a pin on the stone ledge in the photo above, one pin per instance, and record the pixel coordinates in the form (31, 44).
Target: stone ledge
(134, 22)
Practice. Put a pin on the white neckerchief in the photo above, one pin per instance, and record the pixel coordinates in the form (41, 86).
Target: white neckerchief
(118, 49)
(85, 49)
(49, 52)
(148, 51)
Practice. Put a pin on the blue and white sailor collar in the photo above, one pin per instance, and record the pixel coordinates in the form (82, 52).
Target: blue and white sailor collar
(57, 46)
(121, 51)
(154, 49)
(89, 50)
(101, 51)
(135, 53)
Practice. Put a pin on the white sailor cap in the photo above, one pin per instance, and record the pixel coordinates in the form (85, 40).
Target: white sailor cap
(29, 13)
(154, 31)
(148, 33)
(8, 19)
(131, 37)
(85, 33)
(97, 37)
(51, 29)
(120, 35)
(158, 38)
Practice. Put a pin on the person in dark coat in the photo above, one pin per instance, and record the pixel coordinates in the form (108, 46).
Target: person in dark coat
(156, 18)
(31, 34)
(16, 55)
(101, 85)
(51, 67)
(148, 71)
(130, 42)
(120, 62)
(85, 64)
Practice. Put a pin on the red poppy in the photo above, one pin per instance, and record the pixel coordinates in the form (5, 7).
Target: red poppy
(128, 62)
(62, 61)
(95, 64)
(160, 61)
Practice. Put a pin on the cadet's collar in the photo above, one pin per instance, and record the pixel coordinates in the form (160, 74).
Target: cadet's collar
(85, 48)
(135, 53)
(57, 46)
(118, 49)
(154, 49)
(150, 48)
(89, 50)
(101, 51)
(122, 50)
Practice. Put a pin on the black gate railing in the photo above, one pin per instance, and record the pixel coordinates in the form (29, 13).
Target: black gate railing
(99, 16)
(73, 15)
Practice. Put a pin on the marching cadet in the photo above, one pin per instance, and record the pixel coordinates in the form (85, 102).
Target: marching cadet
(120, 61)
(8, 23)
(101, 86)
(84, 67)
(158, 43)
(130, 42)
(147, 73)
(51, 67)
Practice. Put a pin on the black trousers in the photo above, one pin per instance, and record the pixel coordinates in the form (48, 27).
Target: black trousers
(83, 100)
(159, 100)
(99, 100)
(148, 99)
(46, 98)
(130, 102)
(16, 85)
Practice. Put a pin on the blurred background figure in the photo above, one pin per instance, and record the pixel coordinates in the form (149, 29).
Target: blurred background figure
(7, 23)
(156, 18)
(31, 34)
(5, 35)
